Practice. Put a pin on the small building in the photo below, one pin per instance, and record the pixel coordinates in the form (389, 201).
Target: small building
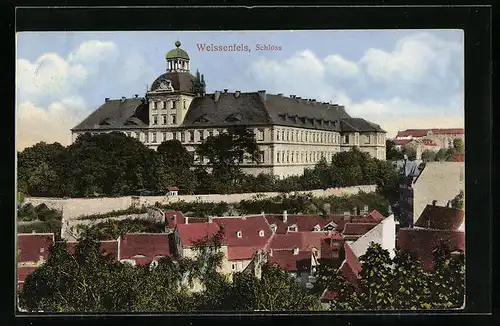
(173, 191)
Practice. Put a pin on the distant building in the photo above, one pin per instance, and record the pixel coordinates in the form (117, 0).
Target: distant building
(438, 183)
(439, 138)
(292, 133)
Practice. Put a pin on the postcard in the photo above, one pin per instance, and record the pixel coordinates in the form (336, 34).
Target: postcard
(240, 171)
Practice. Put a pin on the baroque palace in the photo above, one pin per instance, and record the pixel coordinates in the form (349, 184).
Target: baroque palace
(293, 133)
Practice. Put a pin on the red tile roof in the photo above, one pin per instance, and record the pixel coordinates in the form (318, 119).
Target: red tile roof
(442, 218)
(286, 260)
(33, 245)
(241, 253)
(106, 247)
(149, 245)
(351, 267)
(22, 273)
(423, 132)
(428, 142)
(459, 157)
(172, 188)
(423, 242)
(357, 229)
(249, 227)
(375, 215)
(190, 233)
(341, 220)
(401, 142)
(303, 222)
(301, 240)
(329, 295)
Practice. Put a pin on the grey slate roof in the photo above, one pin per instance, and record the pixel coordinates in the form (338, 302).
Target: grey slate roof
(181, 81)
(252, 109)
(360, 124)
(127, 113)
(246, 109)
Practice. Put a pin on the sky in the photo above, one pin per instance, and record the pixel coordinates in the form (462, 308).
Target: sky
(400, 79)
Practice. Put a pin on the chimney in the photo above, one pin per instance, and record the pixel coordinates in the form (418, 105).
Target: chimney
(262, 94)
(434, 202)
(285, 216)
(225, 90)
(347, 215)
(106, 99)
(136, 95)
(237, 94)
(295, 251)
(448, 204)
(216, 95)
(263, 214)
(270, 252)
(186, 220)
(123, 98)
(210, 219)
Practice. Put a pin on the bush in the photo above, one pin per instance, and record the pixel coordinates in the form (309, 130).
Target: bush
(51, 226)
(130, 210)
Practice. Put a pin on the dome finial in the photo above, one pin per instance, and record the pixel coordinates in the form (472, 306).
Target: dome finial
(177, 43)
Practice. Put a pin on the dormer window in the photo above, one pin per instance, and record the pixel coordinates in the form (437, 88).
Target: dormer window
(239, 234)
(295, 251)
(317, 228)
(261, 233)
(292, 228)
(273, 228)
(42, 250)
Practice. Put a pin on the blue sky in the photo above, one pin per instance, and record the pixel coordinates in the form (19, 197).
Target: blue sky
(397, 78)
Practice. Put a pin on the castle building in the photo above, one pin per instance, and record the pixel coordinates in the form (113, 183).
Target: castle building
(292, 133)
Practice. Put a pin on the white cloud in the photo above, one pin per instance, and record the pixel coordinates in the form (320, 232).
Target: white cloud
(52, 77)
(412, 58)
(51, 124)
(340, 67)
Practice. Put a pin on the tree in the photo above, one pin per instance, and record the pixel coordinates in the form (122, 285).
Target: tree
(441, 155)
(428, 155)
(458, 201)
(458, 146)
(392, 154)
(172, 167)
(40, 169)
(225, 152)
(410, 152)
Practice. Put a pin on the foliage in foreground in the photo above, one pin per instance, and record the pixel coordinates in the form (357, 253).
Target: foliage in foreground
(90, 282)
(401, 283)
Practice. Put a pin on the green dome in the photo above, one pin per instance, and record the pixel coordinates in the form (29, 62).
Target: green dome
(177, 53)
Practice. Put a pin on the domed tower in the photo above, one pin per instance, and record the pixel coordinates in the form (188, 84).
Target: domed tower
(172, 92)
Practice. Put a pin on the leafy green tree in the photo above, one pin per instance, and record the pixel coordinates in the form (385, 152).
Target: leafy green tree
(458, 201)
(410, 152)
(172, 167)
(392, 154)
(441, 155)
(459, 146)
(428, 155)
(225, 152)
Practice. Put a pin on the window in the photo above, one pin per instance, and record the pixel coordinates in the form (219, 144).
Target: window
(202, 135)
(282, 157)
(367, 139)
(238, 234)
(233, 266)
(278, 157)
(183, 137)
(184, 104)
(292, 228)
(164, 136)
(240, 265)
(191, 136)
(291, 136)
(155, 119)
(154, 137)
(164, 105)
(174, 135)
(282, 135)
(287, 135)
(261, 134)
(317, 228)
(346, 139)
(155, 105)
(261, 233)
(147, 137)
(277, 135)
(132, 134)
(174, 119)
(287, 157)
(43, 249)
(128, 134)
(261, 156)
(291, 156)
(210, 133)
(164, 119)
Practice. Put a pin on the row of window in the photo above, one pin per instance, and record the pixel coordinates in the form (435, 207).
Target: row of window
(170, 104)
(302, 156)
(307, 136)
(173, 119)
